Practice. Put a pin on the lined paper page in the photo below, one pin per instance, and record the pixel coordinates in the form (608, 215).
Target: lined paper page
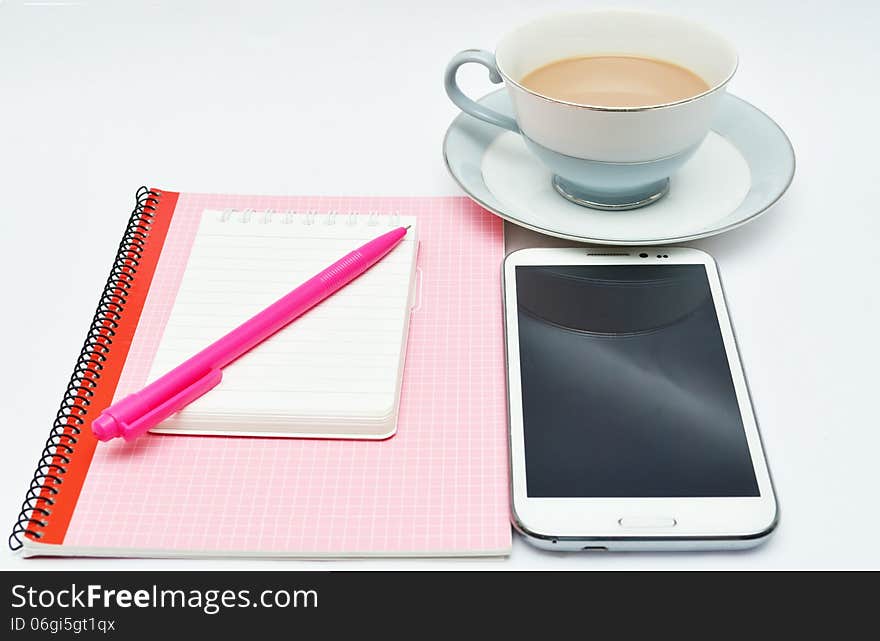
(338, 364)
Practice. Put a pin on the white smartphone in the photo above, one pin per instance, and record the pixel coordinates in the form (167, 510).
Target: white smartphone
(631, 426)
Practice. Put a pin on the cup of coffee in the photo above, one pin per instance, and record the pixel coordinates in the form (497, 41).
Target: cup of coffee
(612, 102)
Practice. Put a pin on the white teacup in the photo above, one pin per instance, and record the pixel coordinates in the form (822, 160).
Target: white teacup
(604, 157)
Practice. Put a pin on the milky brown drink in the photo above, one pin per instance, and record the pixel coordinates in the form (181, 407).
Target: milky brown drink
(615, 81)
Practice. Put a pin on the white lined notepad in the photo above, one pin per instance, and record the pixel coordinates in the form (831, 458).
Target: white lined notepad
(335, 372)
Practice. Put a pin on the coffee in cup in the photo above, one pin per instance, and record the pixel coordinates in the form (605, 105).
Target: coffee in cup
(615, 81)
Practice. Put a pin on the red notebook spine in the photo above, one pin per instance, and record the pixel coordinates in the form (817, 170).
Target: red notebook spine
(64, 462)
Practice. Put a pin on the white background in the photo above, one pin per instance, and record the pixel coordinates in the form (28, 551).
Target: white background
(97, 98)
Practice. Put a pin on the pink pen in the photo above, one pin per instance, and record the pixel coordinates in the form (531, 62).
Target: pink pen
(138, 412)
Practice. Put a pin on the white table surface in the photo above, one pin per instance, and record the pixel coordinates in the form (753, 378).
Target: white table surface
(97, 98)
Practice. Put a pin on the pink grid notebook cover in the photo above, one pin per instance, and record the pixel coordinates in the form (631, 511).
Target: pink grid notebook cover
(438, 487)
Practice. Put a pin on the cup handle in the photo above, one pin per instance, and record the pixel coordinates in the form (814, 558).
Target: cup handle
(456, 95)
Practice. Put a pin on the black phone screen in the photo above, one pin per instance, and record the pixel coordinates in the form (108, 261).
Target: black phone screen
(626, 387)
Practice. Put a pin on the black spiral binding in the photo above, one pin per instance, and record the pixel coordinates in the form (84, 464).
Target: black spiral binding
(60, 446)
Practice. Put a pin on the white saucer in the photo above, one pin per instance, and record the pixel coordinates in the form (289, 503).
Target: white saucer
(744, 166)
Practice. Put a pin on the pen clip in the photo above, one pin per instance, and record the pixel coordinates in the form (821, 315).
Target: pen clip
(174, 404)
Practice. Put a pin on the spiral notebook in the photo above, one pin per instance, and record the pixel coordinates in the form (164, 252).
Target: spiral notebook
(437, 487)
(334, 373)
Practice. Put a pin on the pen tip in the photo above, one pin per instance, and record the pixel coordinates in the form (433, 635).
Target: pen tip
(407, 227)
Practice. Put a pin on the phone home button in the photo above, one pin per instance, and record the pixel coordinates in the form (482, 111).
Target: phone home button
(646, 522)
